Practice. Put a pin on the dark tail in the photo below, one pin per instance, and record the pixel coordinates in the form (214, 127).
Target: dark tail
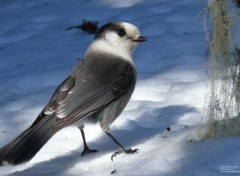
(28, 143)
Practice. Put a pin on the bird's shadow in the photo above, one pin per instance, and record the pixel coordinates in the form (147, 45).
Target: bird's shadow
(56, 166)
(138, 135)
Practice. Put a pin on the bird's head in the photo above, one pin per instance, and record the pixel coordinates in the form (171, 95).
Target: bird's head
(118, 38)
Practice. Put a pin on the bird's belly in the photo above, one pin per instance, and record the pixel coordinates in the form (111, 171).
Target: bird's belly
(113, 110)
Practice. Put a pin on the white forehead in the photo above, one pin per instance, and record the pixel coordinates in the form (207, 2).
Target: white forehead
(130, 28)
(112, 43)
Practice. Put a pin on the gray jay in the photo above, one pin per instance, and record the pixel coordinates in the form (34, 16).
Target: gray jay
(97, 90)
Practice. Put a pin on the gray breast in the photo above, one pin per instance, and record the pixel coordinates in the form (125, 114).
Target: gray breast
(112, 72)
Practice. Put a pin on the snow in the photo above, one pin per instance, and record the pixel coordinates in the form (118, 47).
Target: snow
(37, 54)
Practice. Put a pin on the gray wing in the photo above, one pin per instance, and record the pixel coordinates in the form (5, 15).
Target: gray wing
(83, 100)
(81, 96)
(57, 98)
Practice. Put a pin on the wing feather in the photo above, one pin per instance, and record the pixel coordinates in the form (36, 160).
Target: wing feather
(88, 90)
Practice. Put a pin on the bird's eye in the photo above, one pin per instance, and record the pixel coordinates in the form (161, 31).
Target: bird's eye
(121, 32)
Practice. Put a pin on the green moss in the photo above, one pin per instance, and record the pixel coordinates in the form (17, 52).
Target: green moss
(223, 68)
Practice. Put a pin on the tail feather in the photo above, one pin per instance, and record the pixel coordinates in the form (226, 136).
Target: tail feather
(25, 146)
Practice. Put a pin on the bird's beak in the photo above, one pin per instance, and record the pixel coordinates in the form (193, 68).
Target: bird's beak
(140, 39)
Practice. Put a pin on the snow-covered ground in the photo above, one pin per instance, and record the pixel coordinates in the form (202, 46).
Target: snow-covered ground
(37, 54)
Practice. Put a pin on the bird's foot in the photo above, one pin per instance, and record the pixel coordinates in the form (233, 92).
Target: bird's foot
(128, 151)
(88, 150)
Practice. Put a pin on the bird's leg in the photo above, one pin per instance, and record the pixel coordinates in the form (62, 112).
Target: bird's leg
(122, 149)
(86, 149)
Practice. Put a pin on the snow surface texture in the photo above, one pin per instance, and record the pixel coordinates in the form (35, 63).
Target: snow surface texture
(37, 54)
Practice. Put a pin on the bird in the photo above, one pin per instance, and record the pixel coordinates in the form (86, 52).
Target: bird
(96, 91)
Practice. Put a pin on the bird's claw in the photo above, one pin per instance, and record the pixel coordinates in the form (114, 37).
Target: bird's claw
(88, 150)
(128, 151)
